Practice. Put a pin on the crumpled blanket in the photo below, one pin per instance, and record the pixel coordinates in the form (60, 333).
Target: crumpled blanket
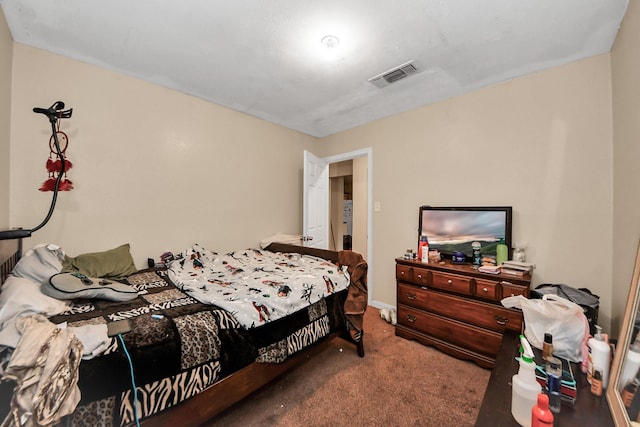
(357, 295)
(256, 286)
(44, 366)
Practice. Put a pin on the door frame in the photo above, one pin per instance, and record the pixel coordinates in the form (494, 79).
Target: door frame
(368, 153)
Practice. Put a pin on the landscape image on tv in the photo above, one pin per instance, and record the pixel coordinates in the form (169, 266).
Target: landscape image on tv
(452, 231)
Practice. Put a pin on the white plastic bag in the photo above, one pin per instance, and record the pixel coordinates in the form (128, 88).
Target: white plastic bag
(563, 319)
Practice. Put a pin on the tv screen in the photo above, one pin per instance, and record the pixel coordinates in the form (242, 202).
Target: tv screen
(453, 229)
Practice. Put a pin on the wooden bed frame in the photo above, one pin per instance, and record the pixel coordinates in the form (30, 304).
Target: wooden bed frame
(206, 405)
(10, 252)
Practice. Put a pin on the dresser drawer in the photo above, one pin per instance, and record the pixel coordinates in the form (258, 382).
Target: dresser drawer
(481, 314)
(466, 336)
(451, 282)
(421, 276)
(487, 289)
(510, 290)
(413, 296)
(404, 273)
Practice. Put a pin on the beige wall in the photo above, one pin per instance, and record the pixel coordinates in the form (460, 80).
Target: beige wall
(541, 143)
(6, 54)
(626, 155)
(152, 167)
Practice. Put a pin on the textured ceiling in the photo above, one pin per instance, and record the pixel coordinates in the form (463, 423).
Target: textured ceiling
(265, 58)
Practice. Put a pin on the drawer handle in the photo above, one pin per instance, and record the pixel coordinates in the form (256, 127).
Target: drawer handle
(419, 276)
(402, 273)
(501, 320)
(411, 296)
(411, 318)
(485, 290)
(450, 281)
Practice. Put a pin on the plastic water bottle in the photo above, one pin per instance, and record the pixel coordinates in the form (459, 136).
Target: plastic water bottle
(502, 252)
(525, 388)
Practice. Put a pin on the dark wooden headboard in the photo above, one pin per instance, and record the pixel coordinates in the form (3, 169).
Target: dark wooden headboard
(10, 252)
(287, 248)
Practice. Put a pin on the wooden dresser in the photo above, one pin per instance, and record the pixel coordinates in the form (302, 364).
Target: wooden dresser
(456, 309)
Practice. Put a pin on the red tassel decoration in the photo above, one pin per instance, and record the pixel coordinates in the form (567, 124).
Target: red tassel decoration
(49, 184)
(51, 165)
(65, 185)
(54, 167)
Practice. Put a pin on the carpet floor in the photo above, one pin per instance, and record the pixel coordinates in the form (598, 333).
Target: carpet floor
(398, 383)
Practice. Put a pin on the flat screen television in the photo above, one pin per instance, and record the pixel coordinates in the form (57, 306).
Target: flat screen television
(453, 229)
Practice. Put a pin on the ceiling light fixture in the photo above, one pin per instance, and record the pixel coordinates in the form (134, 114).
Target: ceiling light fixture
(330, 41)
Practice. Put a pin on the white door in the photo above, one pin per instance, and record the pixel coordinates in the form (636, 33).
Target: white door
(315, 218)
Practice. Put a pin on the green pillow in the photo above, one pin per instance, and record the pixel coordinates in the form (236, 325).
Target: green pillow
(115, 263)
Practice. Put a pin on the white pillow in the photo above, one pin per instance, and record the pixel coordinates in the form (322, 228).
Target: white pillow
(40, 263)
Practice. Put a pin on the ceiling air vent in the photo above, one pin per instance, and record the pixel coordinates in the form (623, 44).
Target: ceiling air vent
(395, 74)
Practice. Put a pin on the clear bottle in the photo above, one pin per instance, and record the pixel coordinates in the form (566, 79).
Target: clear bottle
(502, 252)
(519, 254)
(547, 346)
(525, 388)
(554, 376)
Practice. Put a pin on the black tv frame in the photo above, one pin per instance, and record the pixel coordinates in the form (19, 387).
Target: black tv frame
(508, 223)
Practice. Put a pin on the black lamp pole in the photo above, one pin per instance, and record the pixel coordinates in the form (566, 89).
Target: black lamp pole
(55, 112)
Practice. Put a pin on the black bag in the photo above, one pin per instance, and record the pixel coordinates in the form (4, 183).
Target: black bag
(589, 302)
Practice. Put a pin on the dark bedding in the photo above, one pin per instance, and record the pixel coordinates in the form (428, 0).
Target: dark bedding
(179, 347)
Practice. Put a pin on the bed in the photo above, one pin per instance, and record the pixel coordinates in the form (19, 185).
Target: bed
(194, 359)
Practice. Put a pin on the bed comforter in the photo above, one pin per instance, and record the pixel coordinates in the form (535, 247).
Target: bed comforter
(179, 347)
(256, 286)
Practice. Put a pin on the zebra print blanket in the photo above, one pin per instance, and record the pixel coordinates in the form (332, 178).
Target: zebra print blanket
(179, 347)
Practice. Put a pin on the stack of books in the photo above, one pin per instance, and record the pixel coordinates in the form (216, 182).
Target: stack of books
(491, 269)
(517, 268)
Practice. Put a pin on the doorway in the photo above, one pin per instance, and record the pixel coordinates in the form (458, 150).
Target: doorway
(347, 205)
(357, 184)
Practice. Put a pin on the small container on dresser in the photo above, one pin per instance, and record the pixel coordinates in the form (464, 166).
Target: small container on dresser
(456, 308)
